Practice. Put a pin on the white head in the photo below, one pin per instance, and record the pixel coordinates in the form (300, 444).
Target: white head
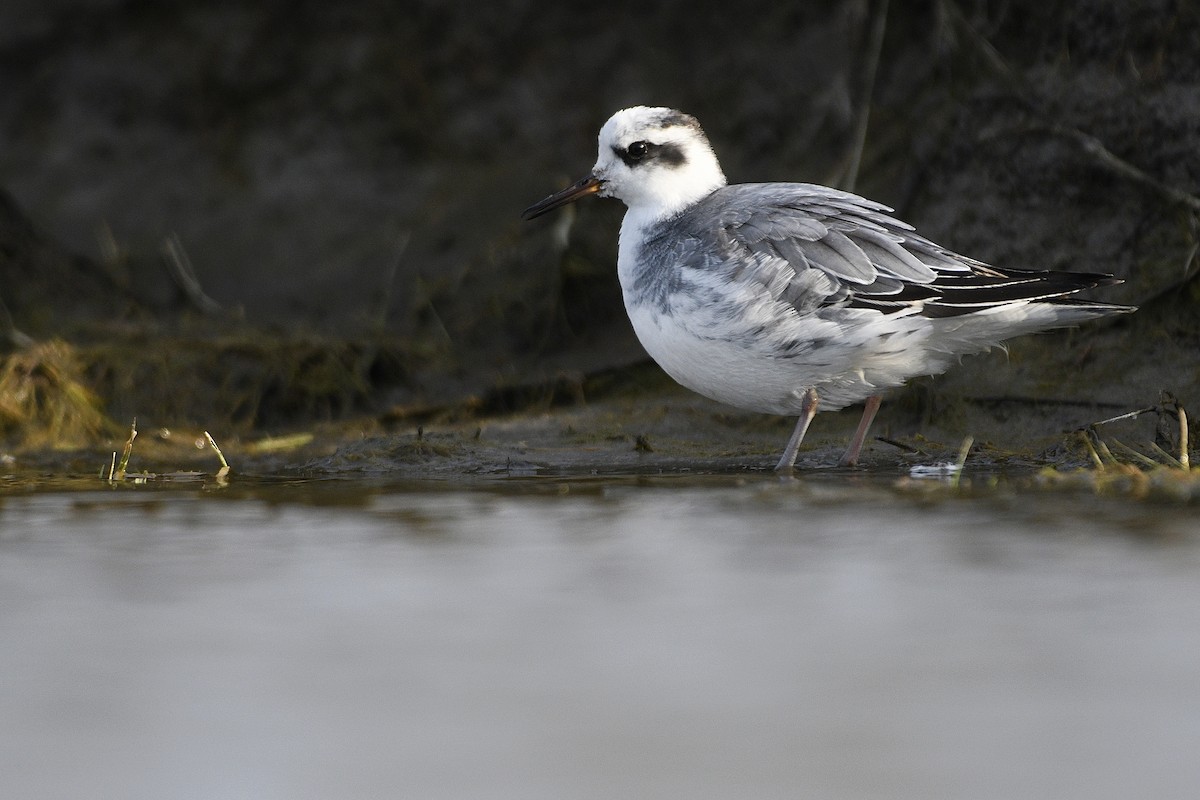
(656, 160)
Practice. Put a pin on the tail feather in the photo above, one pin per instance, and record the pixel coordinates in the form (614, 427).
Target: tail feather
(983, 329)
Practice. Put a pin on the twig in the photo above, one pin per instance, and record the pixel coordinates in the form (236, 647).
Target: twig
(180, 267)
(1104, 451)
(1191, 259)
(427, 297)
(1131, 415)
(110, 251)
(1134, 454)
(1171, 460)
(875, 48)
(123, 466)
(1095, 456)
(114, 259)
(1170, 403)
(1184, 460)
(274, 444)
(385, 295)
(1001, 399)
(8, 330)
(901, 445)
(963, 450)
(988, 50)
(224, 470)
(1115, 164)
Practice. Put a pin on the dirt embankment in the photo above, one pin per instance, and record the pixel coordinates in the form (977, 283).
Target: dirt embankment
(264, 216)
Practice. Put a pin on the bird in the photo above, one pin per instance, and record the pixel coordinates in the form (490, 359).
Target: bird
(792, 298)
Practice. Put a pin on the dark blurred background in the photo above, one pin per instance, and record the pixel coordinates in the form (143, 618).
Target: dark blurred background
(356, 171)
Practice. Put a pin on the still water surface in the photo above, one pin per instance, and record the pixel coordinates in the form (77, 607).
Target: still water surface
(696, 637)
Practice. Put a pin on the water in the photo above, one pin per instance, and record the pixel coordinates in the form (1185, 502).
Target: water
(595, 638)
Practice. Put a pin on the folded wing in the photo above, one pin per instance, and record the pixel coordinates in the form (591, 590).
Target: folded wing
(815, 247)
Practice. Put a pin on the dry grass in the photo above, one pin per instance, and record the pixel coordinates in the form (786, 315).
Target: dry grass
(44, 401)
(1123, 470)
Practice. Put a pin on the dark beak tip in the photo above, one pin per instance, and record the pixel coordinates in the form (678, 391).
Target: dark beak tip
(589, 185)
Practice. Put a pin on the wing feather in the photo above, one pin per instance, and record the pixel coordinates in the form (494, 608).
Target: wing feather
(811, 247)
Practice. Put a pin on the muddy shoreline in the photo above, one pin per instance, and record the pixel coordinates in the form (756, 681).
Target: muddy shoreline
(265, 222)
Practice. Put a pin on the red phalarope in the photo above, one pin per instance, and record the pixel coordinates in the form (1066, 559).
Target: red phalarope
(789, 298)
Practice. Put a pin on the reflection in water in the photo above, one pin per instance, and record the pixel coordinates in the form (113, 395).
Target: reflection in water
(686, 637)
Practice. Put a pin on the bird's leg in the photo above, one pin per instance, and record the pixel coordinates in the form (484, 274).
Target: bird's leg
(870, 407)
(808, 410)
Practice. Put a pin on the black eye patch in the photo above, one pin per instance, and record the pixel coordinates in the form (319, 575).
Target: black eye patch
(643, 152)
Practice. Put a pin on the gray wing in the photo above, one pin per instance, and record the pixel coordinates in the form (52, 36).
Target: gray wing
(813, 247)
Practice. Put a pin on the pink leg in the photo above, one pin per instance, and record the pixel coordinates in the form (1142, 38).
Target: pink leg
(870, 408)
(808, 410)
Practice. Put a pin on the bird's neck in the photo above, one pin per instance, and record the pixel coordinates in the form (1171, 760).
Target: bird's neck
(656, 202)
(662, 200)
(640, 223)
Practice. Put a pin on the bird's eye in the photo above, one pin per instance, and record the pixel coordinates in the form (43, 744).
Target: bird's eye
(638, 150)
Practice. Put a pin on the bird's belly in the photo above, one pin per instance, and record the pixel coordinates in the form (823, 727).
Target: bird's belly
(746, 377)
(756, 377)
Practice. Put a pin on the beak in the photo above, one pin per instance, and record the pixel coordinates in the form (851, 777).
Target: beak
(589, 185)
